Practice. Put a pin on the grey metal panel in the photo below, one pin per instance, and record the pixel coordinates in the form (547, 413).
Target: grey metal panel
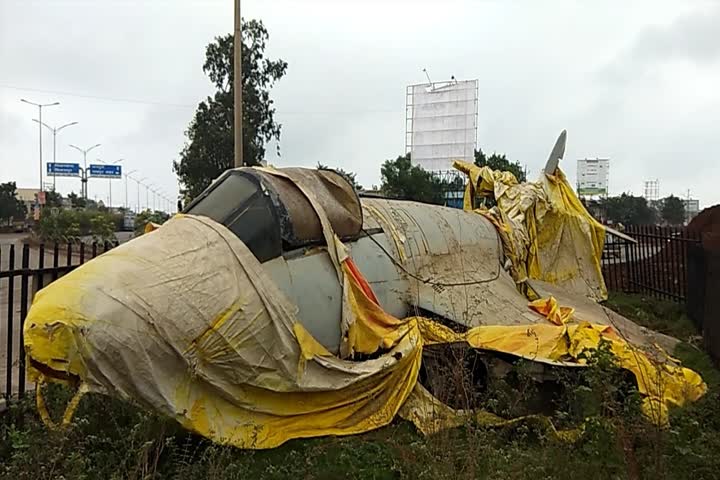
(312, 284)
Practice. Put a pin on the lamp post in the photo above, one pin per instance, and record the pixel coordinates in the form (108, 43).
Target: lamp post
(40, 107)
(83, 179)
(127, 205)
(54, 132)
(147, 194)
(110, 179)
(138, 191)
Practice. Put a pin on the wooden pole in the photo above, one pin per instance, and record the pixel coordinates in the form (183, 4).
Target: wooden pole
(237, 85)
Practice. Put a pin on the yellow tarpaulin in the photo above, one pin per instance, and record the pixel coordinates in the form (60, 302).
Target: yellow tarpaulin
(548, 233)
(221, 351)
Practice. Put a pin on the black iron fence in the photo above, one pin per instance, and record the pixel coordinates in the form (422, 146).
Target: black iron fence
(658, 262)
(25, 269)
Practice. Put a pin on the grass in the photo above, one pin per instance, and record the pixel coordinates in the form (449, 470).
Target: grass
(659, 315)
(110, 439)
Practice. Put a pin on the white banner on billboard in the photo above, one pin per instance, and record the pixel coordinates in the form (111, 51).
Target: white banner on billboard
(441, 123)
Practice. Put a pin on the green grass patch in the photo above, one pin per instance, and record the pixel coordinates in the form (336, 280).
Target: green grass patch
(660, 315)
(111, 439)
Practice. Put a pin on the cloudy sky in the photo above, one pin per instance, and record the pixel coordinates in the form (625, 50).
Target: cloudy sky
(633, 81)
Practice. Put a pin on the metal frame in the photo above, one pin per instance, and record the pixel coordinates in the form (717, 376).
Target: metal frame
(409, 110)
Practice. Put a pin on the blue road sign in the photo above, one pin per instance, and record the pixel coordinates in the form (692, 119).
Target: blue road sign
(105, 171)
(55, 169)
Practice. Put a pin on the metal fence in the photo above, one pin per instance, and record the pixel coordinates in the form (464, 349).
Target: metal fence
(25, 269)
(660, 262)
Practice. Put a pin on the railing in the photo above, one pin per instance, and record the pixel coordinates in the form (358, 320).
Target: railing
(24, 271)
(660, 264)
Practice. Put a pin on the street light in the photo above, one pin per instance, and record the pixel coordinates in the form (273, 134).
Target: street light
(147, 194)
(84, 177)
(40, 107)
(110, 179)
(138, 191)
(54, 132)
(127, 205)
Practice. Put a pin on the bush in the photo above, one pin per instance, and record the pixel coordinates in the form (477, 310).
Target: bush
(149, 216)
(67, 225)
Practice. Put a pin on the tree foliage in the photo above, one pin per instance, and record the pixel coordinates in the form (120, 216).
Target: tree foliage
(349, 176)
(68, 225)
(10, 206)
(148, 216)
(672, 210)
(401, 179)
(500, 162)
(53, 199)
(628, 210)
(209, 148)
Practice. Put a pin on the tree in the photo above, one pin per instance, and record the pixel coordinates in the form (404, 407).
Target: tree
(147, 216)
(349, 176)
(401, 179)
(500, 162)
(11, 208)
(209, 148)
(76, 201)
(628, 210)
(672, 210)
(53, 199)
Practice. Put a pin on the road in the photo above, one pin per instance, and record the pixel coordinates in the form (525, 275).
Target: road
(6, 240)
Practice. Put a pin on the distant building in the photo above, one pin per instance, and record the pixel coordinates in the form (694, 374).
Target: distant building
(28, 196)
(593, 176)
(692, 208)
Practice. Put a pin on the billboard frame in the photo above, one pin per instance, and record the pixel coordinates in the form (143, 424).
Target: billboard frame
(410, 105)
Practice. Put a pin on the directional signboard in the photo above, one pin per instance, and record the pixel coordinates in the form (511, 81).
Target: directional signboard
(55, 169)
(105, 171)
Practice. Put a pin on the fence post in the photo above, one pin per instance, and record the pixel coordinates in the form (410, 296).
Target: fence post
(10, 312)
(23, 313)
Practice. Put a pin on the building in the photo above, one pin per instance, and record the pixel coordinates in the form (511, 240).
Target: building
(692, 208)
(593, 176)
(28, 196)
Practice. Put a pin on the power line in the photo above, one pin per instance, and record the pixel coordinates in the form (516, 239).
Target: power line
(187, 105)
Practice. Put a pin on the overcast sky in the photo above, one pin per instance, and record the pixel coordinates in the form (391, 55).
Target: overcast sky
(637, 82)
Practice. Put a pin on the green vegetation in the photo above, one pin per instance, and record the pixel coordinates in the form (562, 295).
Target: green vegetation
(68, 225)
(10, 207)
(209, 148)
(401, 179)
(149, 216)
(662, 316)
(500, 162)
(672, 210)
(111, 439)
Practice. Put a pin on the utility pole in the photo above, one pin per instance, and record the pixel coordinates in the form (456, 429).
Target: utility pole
(54, 132)
(237, 85)
(40, 107)
(84, 178)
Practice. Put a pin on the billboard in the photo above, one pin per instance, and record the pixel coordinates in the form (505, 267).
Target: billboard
(441, 123)
(56, 169)
(105, 171)
(593, 176)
